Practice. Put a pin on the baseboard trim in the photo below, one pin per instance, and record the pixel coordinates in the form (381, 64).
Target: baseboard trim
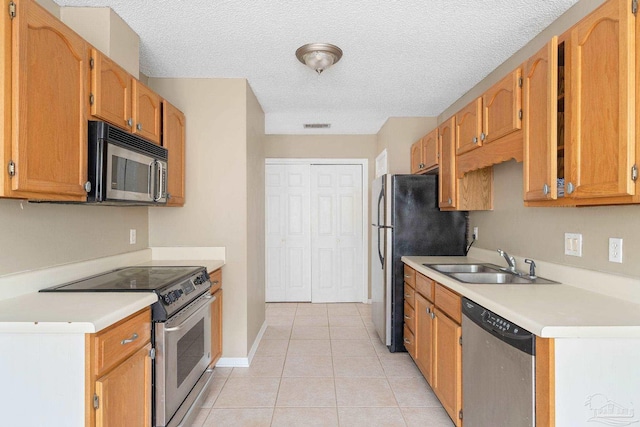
(243, 362)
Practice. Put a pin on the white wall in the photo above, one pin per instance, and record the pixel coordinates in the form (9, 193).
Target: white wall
(397, 135)
(224, 193)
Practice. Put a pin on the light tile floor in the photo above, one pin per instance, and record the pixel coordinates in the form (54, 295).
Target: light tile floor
(322, 365)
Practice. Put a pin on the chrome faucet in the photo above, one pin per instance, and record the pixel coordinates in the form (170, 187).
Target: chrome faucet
(511, 261)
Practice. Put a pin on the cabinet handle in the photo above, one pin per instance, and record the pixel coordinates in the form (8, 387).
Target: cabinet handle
(483, 136)
(406, 341)
(129, 122)
(545, 189)
(407, 317)
(128, 340)
(215, 282)
(475, 140)
(570, 188)
(449, 200)
(428, 310)
(407, 295)
(421, 165)
(408, 276)
(433, 315)
(139, 126)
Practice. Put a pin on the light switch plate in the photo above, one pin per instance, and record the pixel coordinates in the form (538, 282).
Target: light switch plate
(132, 236)
(573, 244)
(615, 250)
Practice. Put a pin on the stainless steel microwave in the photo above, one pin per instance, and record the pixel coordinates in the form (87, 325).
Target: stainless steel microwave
(124, 168)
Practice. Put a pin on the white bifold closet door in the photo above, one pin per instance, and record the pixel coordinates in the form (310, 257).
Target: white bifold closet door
(336, 233)
(288, 239)
(314, 223)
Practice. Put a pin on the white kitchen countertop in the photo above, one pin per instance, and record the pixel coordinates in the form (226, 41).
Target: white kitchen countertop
(85, 312)
(547, 310)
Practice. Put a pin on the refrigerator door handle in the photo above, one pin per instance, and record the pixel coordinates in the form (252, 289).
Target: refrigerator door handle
(380, 199)
(379, 251)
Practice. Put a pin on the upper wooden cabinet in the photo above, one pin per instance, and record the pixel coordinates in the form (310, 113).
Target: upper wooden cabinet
(474, 191)
(120, 99)
(416, 157)
(110, 97)
(540, 123)
(146, 112)
(602, 83)
(469, 127)
(502, 107)
(580, 113)
(173, 139)
(46, 155)
(425, 153)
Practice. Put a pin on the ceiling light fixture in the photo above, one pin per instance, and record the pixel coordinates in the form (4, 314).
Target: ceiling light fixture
(319, 56)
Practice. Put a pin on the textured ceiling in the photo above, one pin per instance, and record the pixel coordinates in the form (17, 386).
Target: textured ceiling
(401, 58)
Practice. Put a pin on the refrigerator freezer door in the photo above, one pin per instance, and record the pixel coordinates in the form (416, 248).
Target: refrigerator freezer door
(379, 299)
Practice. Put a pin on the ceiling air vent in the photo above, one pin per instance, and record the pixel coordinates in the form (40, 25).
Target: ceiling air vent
(317, 125)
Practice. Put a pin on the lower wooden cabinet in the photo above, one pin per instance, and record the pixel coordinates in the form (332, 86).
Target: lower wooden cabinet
(434, 340)
(447, 364)
(424, 329)
(216, 316)
(118, 373)
(124, 394)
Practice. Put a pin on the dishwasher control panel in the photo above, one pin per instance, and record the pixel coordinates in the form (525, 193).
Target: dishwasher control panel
(499, 326)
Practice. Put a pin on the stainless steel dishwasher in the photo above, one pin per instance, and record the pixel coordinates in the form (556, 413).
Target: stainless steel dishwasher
(498, 370)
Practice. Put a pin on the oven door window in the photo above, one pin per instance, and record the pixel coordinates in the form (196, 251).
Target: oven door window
(129, 175)
(190, 351)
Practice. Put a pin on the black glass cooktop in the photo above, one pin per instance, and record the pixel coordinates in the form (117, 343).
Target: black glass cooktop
(142, 279)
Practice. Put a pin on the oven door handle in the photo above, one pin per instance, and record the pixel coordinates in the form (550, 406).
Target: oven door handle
(210, 301)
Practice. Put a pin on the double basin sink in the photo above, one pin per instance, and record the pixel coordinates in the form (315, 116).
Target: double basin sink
(486, 274)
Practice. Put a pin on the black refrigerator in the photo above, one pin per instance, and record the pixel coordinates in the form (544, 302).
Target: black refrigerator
(406, 220)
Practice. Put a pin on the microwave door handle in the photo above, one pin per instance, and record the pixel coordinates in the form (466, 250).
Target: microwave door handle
(150, 181)
(161, 179)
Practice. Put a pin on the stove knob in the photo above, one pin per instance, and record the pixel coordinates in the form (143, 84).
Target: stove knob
(179, 292)
(172, 295)
(166, 299)
(176, 295)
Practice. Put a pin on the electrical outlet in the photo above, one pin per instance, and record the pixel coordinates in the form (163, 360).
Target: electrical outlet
(132, 236)
(615, 250)
(573, 244)
(475, 233)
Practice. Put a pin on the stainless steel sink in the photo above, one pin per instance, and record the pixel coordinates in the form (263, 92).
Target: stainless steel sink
(485, 274)
(464, 268)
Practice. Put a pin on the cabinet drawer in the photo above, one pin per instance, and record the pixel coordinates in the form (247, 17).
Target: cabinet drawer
(424, 286)
(409, 341)
(409, 295)
(409, 317)
(216, 280)
(118, 342)
(409, 276)
(448, 302)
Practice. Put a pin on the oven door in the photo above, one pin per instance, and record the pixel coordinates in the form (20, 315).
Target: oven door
(183, 353)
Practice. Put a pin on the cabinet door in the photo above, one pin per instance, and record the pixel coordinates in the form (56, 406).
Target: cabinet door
(602, 146)
(447, 364)
(430, 150)
(424, 330)
(173, 139)
(468, 127)
(416, 157)
(49, 132)
(124, 394)
(216, 327)
(501, 108)
(540, 123)
(146, 112)
(111, 91)
(447, 170)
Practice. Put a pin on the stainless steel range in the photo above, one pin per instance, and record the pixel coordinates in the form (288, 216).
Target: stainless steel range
(181, 334)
